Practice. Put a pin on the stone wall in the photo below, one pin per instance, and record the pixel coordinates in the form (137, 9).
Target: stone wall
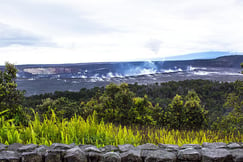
(208, 152)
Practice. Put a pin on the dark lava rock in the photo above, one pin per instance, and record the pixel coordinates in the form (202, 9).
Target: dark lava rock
(60, 146)
(27, 148)
(92, 149)
(3, 147)
(219, 155)
(109, 148)
(111, 157)
(126, 147)
(9, 156)
(42, 149)
(147, 146)
(189, 154)
(236, 153)
(215, 145)
(161, 156)
(83, 147)
(14, 146)
(195, 146)
(131, 156)
(31, 157)
(75, 155)
(169, 147)
(54, 156)
(234, 146)
(95, 157)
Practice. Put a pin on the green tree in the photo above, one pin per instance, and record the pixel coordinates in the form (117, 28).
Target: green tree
(141, 112)
(62, 107)
(10, 97)
(233, 120)
(187, 113)
(175, 113)
(195, 115)
(120, 106)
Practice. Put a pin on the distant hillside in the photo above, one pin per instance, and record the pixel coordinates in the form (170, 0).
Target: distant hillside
(232, 61)
(201, 55)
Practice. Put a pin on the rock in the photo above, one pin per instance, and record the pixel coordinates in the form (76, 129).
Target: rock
(189, 154)
(131, 156)
(195, 146)
(9, 156)
(145, 153)
(169, 147)
(95, 157)
(27, 148)
(111, 157)
(236, 153)
(215, 145)
(54, 156)
(234, 146)
(60, 146)
(219, 155)
(75, 155)
(82, 147)
(14, 146)
(239, 158)
(147, 146)
(72, 145)
(126, 147)
(109, 148)
(41, 150)
(31, 157)
(3, 147)
(161, 156)
(92, 149)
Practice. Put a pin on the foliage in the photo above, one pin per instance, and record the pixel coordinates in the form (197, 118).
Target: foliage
(195, 115)
(233, 121)
(10, 97)
(212, 95)
(120, 106)
(63, 107)
(90, 131)
(175, 113)
(186, 114)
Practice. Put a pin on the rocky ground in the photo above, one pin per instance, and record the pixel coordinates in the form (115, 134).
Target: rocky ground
(207, 152)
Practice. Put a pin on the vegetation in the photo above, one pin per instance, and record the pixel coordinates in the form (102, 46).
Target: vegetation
(191, 111)
(89, 131)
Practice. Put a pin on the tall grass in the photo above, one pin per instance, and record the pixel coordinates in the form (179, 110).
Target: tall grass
(89, 131)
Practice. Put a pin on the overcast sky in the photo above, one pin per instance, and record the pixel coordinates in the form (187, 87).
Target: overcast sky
(73, 31)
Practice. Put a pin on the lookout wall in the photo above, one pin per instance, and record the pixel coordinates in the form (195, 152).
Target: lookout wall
(207, 152)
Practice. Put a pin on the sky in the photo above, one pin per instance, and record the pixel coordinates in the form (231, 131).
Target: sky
(75, 31)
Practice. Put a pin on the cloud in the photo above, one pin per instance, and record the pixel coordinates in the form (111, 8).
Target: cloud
(154, 45)
(13, 36)
(118, 30)
(51, 19)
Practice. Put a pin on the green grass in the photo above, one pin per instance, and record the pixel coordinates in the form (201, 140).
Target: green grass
(80, 131)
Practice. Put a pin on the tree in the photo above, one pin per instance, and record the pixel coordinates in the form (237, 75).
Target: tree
(120, 106)
(114, 104)
(141, 112)
(195, 115)
(175, 113)
(233, 121)
(62, 107)
(10, 97)
(187, 113)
